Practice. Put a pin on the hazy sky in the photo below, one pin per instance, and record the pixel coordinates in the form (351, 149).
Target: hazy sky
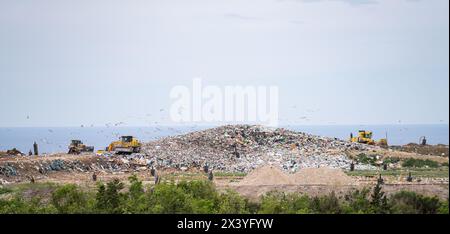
(68, 63)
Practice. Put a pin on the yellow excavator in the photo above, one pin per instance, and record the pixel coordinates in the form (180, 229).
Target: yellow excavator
(77, 147)
(126, 145)
(365, 137)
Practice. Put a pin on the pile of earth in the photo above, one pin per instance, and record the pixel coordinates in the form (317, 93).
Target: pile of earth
(267, 175)
(242, 148)
(322, 176)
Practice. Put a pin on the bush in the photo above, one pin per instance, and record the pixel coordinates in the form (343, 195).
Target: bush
(412, 162)
(199, 189)
(391, 160)
(168, 198)
(326, 205)
(4, 190)
(406, 202)
(201, 197)
(135, 199)
(443, 209)
(69, 199)
(358, 202)
(274, 203)
(18, 205)
(109, 198)
(366, 159)
(379, 202)
(232, 203)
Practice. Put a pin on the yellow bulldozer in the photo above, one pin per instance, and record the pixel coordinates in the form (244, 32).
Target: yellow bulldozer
(126, 145)
(77, 147)
(365, 137)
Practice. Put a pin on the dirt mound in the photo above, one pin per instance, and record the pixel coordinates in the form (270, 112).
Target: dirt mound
(322, 176)
(267, 175)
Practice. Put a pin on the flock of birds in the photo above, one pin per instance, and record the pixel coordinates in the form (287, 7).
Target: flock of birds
(154, 131)
(157, 130)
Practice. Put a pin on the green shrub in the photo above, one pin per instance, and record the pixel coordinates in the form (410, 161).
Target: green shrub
(4, 190)
(391, 160)
(231, 202)
(406, 202)
(328, 204)
(366, 159)
(109, 198)
(201, 197)
(199, 189)
(135, 199)
(443, 209)
(69, 199)
(274, 203)
(378, 200)
(18, 205)
(357, 202)
(168, 198)
(412, 162)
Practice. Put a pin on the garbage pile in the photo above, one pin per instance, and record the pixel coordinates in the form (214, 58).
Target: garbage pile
(242, 148)
(8, 170)
(22, 168)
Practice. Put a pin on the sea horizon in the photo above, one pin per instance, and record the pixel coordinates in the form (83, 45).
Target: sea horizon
(56, 139)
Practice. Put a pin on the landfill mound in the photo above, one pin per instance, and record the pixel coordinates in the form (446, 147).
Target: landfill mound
(322, 176)
(242, 148)
(22, 168)
(266, 175)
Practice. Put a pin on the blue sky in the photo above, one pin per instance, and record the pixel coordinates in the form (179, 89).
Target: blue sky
(72, 63)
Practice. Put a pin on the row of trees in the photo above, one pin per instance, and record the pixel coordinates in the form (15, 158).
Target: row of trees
(203, 198)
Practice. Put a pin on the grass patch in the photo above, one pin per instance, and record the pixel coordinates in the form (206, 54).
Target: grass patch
(230, 174)
(412, 162)
(391, 160)
(416, 172)
(4, 190)
(366, 159)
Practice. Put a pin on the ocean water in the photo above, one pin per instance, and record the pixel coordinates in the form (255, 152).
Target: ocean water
(51, 140)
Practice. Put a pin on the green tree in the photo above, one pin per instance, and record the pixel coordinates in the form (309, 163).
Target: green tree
(274, 203)
(443, 209)
(109, 198)
(135, 198)
(379, 201)
(168, 198)
(232, 203)
(69, 199)
(357, 202)
(326, 205)
(406, 202)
